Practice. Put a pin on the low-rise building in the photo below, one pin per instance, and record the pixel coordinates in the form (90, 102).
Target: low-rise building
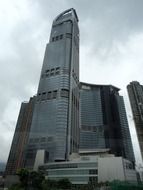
(95, 167)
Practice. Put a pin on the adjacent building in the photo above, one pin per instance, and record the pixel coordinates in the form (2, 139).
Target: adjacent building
(103, 120)
(16, 159)
(55, 122)
(135, 92)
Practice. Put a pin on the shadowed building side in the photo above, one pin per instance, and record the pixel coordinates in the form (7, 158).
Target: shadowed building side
(103, 120)
(135, 92)
(16, 157)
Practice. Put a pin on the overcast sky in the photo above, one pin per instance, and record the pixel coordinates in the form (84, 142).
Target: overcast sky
(111, 51)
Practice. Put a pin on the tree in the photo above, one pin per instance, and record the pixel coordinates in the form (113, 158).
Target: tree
(23, 177)
(49, 184)
(29, 179)
(36, 179)
(64, 183)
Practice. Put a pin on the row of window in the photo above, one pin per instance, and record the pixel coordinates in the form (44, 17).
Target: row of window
(56, 71)
(52, 95)
(58, 166)
(43, 139)
(59, 37)
(51, 72)
(92, 128)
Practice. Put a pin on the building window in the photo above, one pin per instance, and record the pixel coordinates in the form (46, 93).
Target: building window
(57, 71)
(49, 95)
(52, 72)
(93, 172)
(44, 96)
(55, 94)
(68, 35)
(93, 180)
(65, 93)
(61, 36)
(47, 71)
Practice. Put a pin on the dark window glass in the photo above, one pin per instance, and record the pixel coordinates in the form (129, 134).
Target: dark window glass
(55, 94)
(68, 35)
(52, 72)
(43, 139)
(49, 95)
(47, 71)
(64, 93)
(93, 171)
(61, 36)
(57, 70)
(44, 96)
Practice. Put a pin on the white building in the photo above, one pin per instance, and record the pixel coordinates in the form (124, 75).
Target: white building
(95, 167)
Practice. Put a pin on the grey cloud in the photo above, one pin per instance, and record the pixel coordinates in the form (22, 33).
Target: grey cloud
(103, 25)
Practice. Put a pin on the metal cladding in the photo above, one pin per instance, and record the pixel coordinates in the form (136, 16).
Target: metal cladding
(135, 91)
(103, 120)
(55, 123)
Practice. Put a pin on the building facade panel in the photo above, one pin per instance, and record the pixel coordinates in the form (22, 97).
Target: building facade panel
(16, 159)
(103, 120)
(56, 114)
(135, 92)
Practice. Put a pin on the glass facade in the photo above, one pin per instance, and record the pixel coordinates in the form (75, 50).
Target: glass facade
(55, 123)
(127, 143)
(81, 172)
(16, 159)
(135, 92)
(92, 129)
(103, 120)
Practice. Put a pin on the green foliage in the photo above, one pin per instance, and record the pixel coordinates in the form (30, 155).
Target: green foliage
(119, 185)
(36, 179)
(49, 184)
(23, 176)
(30, 179)
(16, 187)
(64, 184)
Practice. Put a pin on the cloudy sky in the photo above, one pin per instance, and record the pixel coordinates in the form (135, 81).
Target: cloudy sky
(111, 50)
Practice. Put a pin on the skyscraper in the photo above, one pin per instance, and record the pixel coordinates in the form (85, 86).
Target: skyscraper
(135, 92)
(16, 157)
(103, 120)
(55, 123)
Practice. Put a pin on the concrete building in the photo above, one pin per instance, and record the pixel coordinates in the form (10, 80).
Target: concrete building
(55, 122)
(16, 159)
(103, 120)
(92, 167)
(135, 92)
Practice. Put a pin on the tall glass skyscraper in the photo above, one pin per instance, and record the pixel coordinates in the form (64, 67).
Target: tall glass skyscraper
(55, 123)
(103, 120)
(51, 123)
(135, 91)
